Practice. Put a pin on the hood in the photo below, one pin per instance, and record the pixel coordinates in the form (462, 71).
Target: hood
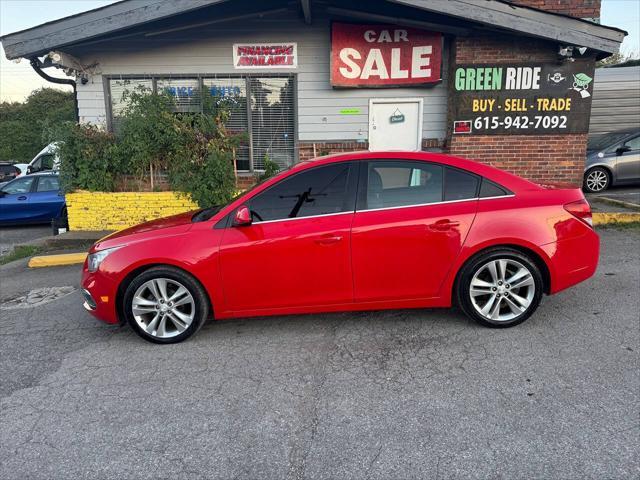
(173, 225)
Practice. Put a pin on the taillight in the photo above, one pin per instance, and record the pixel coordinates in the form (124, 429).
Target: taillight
(581, 210)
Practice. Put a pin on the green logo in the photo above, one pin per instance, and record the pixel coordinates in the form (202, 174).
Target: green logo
(581, 83)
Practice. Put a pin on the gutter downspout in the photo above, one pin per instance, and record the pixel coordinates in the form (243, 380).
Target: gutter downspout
(36, 64)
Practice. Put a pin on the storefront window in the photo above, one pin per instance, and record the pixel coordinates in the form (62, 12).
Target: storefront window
(272, 125)
(184, 91)
(266, 114)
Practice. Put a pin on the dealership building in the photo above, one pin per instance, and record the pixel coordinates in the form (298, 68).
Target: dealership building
(508, 83)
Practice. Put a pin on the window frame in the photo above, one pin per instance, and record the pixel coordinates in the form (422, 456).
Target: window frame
(352, 186)
(363, 185)
(154, 77)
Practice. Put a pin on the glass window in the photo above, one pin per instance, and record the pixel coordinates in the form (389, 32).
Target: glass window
(633, 144)
(20, 185)
(48, 184)
(396, 184)
(460, 185)
(272, 121)
(231, 93)
(184, 91)
(319, 191)
(490, 189)
(117, 90)
(45, 162)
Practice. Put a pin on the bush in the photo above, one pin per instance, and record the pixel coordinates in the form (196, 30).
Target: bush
(88, 158)
(195, 149)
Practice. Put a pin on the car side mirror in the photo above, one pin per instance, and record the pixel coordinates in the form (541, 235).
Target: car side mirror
(623, 149)
(242, 217)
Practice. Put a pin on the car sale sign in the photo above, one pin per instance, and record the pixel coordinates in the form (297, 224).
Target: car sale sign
(384, 56)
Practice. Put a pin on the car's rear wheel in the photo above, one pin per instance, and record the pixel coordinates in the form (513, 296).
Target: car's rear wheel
(165, 305)
(500, 288)
(597, 179)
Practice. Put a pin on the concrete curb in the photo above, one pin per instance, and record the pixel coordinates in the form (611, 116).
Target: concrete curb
(619, 203)
(57, 260)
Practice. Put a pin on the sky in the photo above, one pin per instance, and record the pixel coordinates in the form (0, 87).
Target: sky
(17, 80)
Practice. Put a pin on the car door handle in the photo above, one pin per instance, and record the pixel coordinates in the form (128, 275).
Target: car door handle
(328, 239)
(22, 197)
(443, 225)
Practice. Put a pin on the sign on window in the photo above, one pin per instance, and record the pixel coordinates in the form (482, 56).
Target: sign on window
(265, 55)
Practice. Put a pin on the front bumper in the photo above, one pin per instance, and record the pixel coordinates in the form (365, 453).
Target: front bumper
(99, 292)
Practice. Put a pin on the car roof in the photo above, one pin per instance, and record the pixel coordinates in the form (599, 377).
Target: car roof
(506, 179)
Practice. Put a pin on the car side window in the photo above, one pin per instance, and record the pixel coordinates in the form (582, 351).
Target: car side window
(318, 191)
(488, 189)
(633, 144)
(48, 184)
(20, 185)
(398, 184)
(459, 185)
(47, 162)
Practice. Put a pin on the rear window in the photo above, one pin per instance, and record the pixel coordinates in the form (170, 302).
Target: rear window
(460, 185)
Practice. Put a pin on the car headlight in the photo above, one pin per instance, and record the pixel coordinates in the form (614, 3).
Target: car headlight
(95, 259)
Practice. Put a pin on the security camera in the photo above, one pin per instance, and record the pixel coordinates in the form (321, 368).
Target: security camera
(565, 51)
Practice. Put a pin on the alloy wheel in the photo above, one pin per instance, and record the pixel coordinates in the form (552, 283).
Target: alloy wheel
(502, 290)
(163, 307)
(597, 180)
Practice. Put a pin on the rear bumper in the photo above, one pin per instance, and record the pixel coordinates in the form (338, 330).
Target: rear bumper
(572, 260)
(99, 295)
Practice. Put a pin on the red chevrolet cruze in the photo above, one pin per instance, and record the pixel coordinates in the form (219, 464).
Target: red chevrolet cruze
(359, 231)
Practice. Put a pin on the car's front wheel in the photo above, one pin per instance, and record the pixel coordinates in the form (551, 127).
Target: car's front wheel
(596, 180)
(500, 288)
(165, 305)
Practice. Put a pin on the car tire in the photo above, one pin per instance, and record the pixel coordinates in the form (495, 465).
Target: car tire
(597, 179)
(499, 288)
(165, 305)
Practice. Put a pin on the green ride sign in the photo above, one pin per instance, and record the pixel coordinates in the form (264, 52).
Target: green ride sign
(520, 99)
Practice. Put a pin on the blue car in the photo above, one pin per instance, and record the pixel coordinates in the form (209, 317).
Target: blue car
(32, 199)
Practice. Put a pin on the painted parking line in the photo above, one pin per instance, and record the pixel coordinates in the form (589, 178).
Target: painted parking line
(57, 260)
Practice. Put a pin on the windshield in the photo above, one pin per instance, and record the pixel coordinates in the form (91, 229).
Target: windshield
(601, 142)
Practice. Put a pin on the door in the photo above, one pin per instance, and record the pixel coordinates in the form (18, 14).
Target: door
(297, 250)
(46, 201)
(395, 124)
(409, 227)
(14, 201)
(628, 162)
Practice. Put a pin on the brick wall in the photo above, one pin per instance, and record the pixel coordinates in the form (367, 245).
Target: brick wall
(575, 8)
(114, 211)
(541, 158)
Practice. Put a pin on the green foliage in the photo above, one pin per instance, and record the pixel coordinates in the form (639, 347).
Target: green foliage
(89, 157)
(618, 58)
(271, 168)
(22, 124)
(194, 149)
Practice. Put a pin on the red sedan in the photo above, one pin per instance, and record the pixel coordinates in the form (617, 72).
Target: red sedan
(359, 231)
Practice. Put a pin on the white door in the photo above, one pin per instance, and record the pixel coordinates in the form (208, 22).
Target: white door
(395, 124)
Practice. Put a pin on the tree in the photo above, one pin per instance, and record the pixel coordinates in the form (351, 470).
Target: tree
(23, 124)
(615, 59)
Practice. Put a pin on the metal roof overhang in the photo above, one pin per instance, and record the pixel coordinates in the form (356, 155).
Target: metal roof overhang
(488, 14)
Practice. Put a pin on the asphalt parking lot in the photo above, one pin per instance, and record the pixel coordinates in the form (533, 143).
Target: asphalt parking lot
(383, 395)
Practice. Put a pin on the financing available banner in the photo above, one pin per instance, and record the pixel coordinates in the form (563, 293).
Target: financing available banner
(523, 98)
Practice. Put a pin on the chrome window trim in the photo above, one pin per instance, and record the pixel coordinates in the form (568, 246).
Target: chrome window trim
(432, 203)
(351, 212)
